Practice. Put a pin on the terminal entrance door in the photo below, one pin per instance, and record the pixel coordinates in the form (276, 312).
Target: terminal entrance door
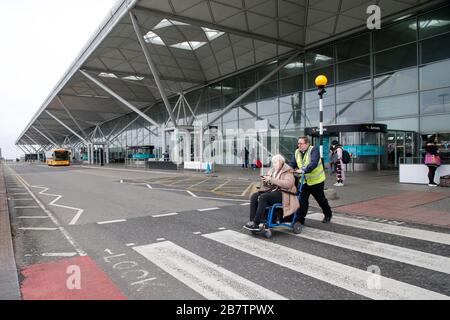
(401, 147)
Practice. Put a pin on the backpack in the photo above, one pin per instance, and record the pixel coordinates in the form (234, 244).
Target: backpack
(345, 156)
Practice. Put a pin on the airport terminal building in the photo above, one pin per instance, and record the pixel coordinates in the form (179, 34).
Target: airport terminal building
(200, 80)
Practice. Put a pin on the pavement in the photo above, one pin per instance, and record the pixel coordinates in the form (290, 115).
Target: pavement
(114, 227)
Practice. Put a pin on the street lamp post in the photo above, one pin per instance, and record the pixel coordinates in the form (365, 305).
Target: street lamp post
(321, 82)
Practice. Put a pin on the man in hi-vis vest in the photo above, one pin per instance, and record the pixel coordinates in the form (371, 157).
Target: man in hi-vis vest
(307, 160)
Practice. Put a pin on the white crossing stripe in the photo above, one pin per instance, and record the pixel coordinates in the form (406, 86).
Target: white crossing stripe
(206, 278)
(38, 229)
(61, 254)
(23, 199)
(404, 255)
(245, 204)
(29, 207)
(208, 209)
(112, 221)
(334, 273)
(388, 228)
(165, 215)
(33, 217)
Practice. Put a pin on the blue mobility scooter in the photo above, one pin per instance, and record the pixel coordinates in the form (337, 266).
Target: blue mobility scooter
(273, 219)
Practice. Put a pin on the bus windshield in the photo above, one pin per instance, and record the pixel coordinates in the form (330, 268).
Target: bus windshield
(61, 155)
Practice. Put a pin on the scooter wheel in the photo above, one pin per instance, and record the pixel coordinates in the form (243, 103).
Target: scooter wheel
(297, 228)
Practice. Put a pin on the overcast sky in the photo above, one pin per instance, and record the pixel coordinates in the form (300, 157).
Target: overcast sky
(39, 39)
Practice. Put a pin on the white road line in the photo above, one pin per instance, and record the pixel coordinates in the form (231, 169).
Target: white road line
(197, 233)
(33, 217)
(19, 194)
(59, 197)
(130, 244)
(38, 229)
(337, 274)
(62, 254)
(165, 215)
(112, 221)
(223, 184)
(206, 278)
(208, 209)
(388, 228)
(29, 207)
(191, 193)
(245, 204)
(222, 228)
(161, 239)
(149, 186)
(22, 199)
(128, 170)
(396, 253)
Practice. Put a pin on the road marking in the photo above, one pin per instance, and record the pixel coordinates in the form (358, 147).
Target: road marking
(191, 193)
(128, 170)
(19, 194)
(38, 229)
(165, 215)
(194, 185)
(62, 254)
(149, 186)
(130, 244)
(222, 228)
(21, 199)
(33, 217)
(206, 278)
(112, 221)
(246, 190)
(388, 228)
(208, 209)
(29, 207)
(223, 184)
(245, 204)
(396, 253)
(337, 274)
(160, 239)
(197, 233)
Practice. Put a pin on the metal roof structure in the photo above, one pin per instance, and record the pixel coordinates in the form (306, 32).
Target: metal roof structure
(148, 50)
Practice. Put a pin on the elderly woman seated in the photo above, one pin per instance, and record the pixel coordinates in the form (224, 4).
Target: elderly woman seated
(284, 190)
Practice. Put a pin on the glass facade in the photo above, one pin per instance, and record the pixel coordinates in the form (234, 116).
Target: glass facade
(399, 76)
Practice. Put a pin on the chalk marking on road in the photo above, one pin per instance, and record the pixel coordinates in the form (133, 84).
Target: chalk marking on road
(388, 251)
(61, 254)
(58, 197)
(38, 229)
(206, 278)
(112, 221)
(208, 209)
(33, 217)
(388, 228)
(28, 207)
(337, 274)
(165, 215)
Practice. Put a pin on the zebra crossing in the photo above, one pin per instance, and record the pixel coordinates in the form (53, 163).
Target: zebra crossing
(214, 281)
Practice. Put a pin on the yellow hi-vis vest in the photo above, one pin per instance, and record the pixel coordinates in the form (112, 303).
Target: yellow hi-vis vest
(317, 175)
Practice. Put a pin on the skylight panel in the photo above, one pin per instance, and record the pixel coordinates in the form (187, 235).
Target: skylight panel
(212, 34)
(153, 38)
(133, 78)
(107, 75)
(189, 45)
(167, 23)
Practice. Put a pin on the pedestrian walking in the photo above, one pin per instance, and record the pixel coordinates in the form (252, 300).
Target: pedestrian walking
(432, 159)
(244, 157)
(307, 161)
(337, 158)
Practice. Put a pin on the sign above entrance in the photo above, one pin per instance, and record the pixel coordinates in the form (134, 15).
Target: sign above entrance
(366, 127)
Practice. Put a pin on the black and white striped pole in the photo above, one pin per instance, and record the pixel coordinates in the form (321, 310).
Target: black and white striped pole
(321, 82)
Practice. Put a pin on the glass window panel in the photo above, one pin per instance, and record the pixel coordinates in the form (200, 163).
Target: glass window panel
(312, 116)
(273, 120)
(435, 124)
(407, 124)
(215, 90)
(353, 47)
(292, 120)
(247, 80)
(358, 111)
(247, 111)
(265, 70)
(398, 82)
(247, 124)
(434, 49)
(354, 69)
(232, 115)
(435, 75)
(394, 59)
(268, 90)
(312, 98)
(434, 22)
(312, 75)
(288, 142)
(291, 102)
(435, 101)
(354, 91)
(229, 98)
(293, 84)
(295, 67)
(215, 104)
(395, 35)
(396, 106)
(319, 58)
(267, 107)
(250, 98)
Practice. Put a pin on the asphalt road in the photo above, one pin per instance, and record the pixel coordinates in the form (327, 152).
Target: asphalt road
(140, 240)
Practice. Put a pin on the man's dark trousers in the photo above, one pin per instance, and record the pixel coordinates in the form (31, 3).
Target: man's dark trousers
(317, 191)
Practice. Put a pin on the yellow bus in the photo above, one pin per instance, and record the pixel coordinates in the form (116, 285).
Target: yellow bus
(58, 157)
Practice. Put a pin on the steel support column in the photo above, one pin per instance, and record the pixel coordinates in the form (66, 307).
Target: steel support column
(67, 127)
(70, 115)
(38, 131)
(152, 67)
